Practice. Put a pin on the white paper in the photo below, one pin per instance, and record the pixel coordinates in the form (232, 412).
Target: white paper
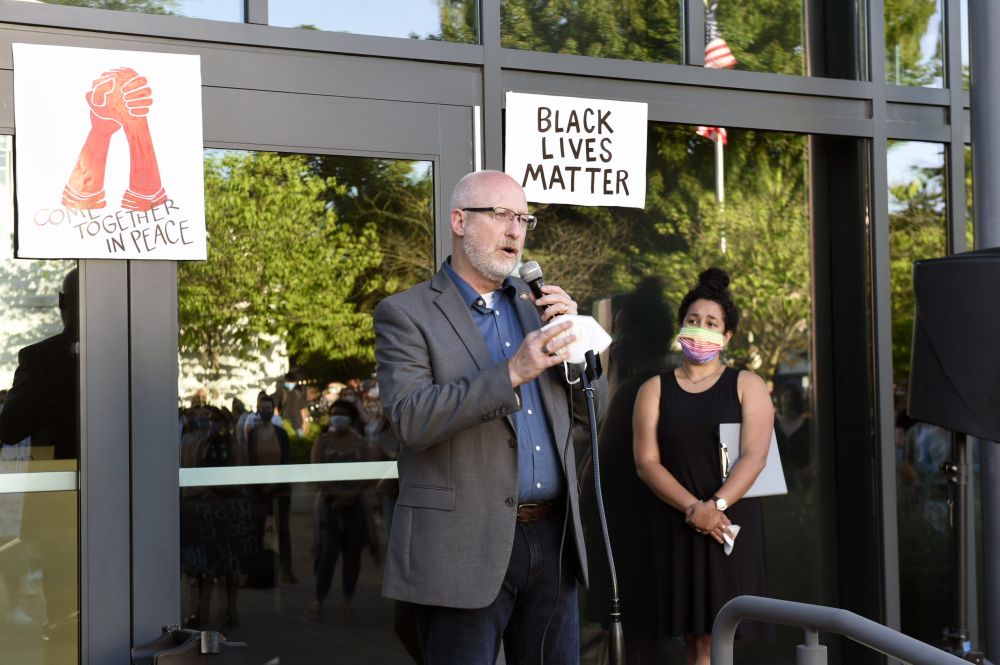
(771, 480)
(589, 152)
(729, 541)
(70, 102)
(590, 336)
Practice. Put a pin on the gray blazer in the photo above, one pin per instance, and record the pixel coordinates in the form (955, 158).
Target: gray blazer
(450, 404)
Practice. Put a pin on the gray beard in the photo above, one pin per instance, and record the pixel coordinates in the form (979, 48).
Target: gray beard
(490, 267)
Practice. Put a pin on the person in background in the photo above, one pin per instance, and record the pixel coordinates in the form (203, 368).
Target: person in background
(269, 444)
(794, 435)
(291, 403)
(209, 550)
(642, 332)
(676, 448)
(338, 509)
(40, 413)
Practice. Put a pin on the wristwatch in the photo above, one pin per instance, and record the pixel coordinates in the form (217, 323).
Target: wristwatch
(720, 503)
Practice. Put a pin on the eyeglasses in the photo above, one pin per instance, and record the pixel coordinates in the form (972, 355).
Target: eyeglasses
(505, 216)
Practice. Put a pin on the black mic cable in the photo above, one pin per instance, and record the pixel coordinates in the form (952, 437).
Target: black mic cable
(616, 637)
(531, 273)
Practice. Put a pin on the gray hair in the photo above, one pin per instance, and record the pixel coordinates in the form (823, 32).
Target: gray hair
(462, 195)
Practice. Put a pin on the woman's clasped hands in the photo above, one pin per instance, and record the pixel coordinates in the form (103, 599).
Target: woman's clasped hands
(705, 518)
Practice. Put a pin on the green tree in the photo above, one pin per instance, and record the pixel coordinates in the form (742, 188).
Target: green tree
(917, 230)
(139, 6)
(906, 23)
(644, 30)
(760, 236)
(599, 251)
(281, 264)
(764, 35)
(459, 22)
(395, 197)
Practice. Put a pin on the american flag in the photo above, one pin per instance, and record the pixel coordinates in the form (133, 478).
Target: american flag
(717, 56)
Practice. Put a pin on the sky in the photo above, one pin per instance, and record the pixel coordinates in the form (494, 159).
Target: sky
(386, 18)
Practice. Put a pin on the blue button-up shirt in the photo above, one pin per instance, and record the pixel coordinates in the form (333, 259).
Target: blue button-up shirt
(539, 472)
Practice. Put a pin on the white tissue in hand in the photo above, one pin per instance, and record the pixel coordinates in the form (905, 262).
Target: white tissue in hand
(590, 336)
(730, 540)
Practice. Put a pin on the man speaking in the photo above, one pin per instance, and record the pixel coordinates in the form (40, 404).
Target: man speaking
(486, 470)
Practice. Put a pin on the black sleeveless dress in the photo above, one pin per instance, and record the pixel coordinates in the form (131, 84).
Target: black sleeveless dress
(694, 577)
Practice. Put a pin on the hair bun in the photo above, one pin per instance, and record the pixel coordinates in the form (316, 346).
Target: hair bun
(715, 280)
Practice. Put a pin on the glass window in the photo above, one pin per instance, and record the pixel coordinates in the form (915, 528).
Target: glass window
(217, 10)
(970, 239)
(648, 32)
(288, 472)
(762, 36)
(914, 42)
(449, 21)
(964, 34)
(39, 440)
(633, 281)
(917, 230)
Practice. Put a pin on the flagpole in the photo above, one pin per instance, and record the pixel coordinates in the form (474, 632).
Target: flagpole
(720, 184)
(720, 187)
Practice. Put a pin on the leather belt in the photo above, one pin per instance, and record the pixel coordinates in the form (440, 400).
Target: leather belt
(529, 512)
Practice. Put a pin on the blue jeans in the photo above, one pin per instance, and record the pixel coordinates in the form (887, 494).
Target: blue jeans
(531, 593)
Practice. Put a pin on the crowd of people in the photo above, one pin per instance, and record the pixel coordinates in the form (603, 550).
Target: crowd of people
(240, 536)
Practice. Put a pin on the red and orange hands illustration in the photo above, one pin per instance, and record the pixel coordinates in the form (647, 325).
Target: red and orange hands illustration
(118, 99)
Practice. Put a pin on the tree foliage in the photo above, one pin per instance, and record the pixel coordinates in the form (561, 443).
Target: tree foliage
(906, 23)
(917, 230)
(139, 6)
(396, 197)
(630, 29)
(281, 264)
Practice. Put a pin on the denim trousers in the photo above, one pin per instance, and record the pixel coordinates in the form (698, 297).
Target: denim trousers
(532, 596)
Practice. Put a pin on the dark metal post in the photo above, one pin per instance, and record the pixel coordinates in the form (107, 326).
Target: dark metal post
(984, 24)
(957, 472)
(694, 32)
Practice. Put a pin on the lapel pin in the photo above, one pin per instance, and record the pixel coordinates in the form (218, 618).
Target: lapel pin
(523, 295)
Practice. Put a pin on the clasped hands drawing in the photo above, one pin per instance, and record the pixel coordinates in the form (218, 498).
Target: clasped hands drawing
(119, 99)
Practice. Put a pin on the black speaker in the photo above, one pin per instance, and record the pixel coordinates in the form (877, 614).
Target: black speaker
(955, 361)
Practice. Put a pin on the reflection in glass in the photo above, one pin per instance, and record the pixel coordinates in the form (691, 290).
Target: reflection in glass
(917, 230)
(763, 36)
(914, 42)
(276, 346)
(964, 34)
(437, 20)
(970, 240)
(649, 32)
(226, 10)
(39, 432)
(632, 281)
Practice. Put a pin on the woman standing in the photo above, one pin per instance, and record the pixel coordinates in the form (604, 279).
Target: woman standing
(676, 448)
(339, 514)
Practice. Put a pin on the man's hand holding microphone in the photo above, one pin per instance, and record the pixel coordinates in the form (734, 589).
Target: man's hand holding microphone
(542, 349)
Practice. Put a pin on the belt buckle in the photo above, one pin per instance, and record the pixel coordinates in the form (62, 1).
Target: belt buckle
(535, 510)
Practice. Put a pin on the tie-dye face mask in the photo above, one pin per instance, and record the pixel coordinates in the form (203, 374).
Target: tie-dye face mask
(700, 345)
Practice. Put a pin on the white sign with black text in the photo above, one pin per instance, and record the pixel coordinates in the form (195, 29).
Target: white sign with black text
(588, 152)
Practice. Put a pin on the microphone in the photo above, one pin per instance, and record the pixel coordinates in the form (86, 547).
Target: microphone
(531, 273)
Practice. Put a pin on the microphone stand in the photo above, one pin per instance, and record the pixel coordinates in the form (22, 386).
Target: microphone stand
(616, 639)
(957, 473)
